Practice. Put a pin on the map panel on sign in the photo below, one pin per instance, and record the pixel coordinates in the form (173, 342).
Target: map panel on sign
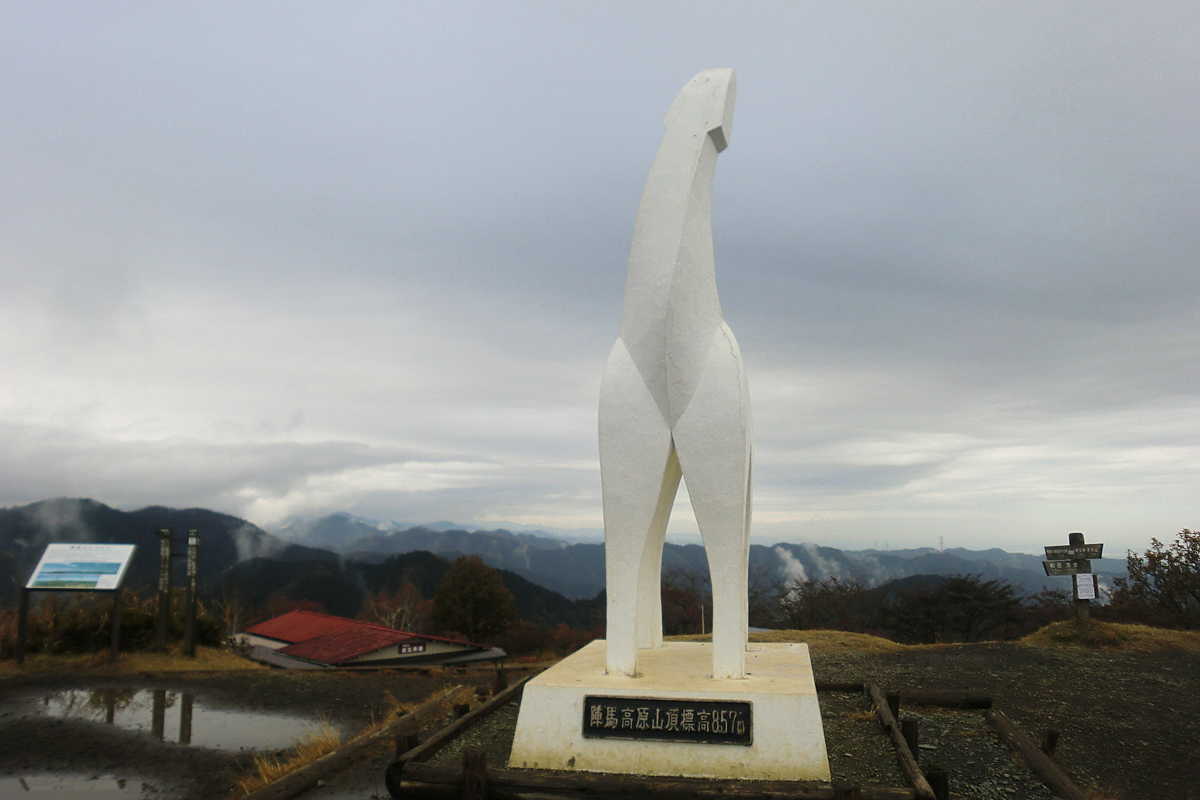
(81, 567)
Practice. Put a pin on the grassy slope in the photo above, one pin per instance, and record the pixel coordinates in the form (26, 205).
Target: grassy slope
(1113, 636)
(1093, 635)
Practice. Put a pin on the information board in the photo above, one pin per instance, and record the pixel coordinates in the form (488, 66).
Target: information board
(81, 567)
(1085, 587)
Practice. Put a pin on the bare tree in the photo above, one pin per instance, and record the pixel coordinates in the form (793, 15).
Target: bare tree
(399, 609)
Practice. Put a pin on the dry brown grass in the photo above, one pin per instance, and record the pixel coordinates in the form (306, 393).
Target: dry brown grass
(1112, 636)
(395, 709)
(209, 659)
(268, 767)
(817, 641)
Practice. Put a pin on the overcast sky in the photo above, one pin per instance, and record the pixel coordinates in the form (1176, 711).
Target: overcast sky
(289, 259)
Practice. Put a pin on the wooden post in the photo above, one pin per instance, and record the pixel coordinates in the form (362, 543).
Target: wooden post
(474, 775)
(1082, 607)
(1051, 773)
(405, 741)
(939, 779)
(908, 761)
(164, 590)
(911, 736)
(158, 712)
(185, 718)
(893, 702)
(22, 623)
(846, 791)
(189, 606)
(116, 625)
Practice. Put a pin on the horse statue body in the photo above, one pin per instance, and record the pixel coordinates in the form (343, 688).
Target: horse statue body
(674, 401)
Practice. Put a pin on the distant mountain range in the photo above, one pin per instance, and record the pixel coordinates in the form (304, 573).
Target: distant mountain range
(356, 555)
(224, 540)
(576, 570)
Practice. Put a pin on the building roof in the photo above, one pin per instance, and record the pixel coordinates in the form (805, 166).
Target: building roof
(326, 639)
(342, 645)
(300, 626)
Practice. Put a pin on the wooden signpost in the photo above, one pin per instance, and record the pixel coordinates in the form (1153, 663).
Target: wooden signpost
(1075, 559)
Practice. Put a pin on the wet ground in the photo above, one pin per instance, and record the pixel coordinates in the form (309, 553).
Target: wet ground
(180, 735)
(91, 787)
(175, 717)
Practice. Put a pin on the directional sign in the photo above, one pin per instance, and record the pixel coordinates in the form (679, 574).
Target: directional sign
(1075, 567)
(1067, 552)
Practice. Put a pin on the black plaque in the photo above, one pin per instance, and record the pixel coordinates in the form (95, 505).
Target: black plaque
(655, 720)
(1078, 566)
(1065, 552)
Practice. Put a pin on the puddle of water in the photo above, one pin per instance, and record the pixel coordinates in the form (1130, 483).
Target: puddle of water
(178, 717)
(58, 785)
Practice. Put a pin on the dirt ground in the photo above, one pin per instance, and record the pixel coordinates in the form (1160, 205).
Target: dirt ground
(1130, 721)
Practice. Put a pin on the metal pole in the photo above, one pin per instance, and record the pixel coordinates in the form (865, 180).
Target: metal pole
(164, 589)
(116, 624)
(22, 623)
(189, 636)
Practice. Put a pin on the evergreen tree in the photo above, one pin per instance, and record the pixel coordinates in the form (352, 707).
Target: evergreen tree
(473, 600)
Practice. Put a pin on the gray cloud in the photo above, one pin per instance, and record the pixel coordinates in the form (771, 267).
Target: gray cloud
(280, 260)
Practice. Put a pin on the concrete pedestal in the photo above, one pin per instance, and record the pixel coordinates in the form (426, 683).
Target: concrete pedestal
(787, 741)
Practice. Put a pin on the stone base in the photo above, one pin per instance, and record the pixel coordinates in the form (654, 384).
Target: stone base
(787, 739)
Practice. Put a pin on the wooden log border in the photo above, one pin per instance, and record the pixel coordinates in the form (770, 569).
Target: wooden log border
(1042, 765)
(411, 776)
(425, 751)
(437, 781)
(946, 698)
(307, 776)
(908, 761)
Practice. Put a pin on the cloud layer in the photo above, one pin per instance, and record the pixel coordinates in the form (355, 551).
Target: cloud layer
(281, 260)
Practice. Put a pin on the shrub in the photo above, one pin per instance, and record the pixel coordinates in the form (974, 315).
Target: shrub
(1163, 586)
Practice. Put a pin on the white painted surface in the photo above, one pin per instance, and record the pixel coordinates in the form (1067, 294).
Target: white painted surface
(674, 400)
(788, 738)
(392, 651)
(252, 640)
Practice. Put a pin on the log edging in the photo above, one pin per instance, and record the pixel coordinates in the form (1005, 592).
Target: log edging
(1051, 774)
(908, 761)
(306, 777)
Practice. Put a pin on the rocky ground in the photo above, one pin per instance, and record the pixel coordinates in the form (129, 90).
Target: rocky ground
(1130, 721)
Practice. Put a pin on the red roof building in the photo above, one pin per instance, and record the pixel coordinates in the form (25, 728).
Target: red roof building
(307, 640)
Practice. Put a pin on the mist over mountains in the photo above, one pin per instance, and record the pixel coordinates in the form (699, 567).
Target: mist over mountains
(576, 569)
(233, 547)
(225, 540)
